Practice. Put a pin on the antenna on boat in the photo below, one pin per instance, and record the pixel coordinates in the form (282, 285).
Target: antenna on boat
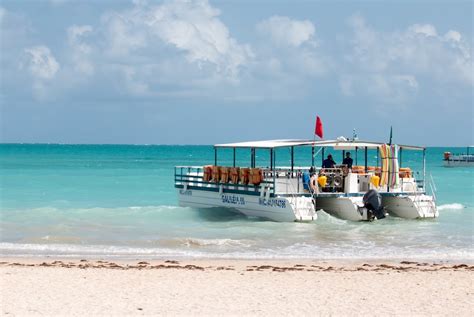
(390, 142)
(354, 135)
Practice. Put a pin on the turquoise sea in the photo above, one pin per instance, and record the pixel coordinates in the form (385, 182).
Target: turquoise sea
(119, 201)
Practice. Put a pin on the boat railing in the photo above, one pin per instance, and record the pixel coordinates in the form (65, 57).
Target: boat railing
(280, 180)
(192, 177)
(433, 187)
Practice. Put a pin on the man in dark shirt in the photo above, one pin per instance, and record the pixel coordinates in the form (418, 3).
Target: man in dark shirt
(348, 160)
(329, 162)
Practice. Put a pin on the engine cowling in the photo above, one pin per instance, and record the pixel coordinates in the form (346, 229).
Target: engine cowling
(373, 203)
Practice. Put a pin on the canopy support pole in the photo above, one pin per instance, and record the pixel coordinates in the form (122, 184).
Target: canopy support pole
(312, 155)
(365, 154)
(356, 155)
(274, 158)
(271, 159)
(234, 157)
(251, 157)
(292, 158)
(424, 169)
(215, 156)
(378, 161)
(252, 161)
(400, 157)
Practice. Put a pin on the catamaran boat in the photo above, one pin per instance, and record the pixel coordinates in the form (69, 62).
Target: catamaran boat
(401, 193)
(459, 160)
(293, 193)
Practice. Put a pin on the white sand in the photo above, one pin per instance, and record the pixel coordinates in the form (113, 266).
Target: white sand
(236, 288)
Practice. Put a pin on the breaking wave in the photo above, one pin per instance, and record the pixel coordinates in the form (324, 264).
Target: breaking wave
(295, 251)
(454, 206)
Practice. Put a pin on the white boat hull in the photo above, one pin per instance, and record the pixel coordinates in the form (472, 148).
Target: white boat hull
(282, 209)
(403, 206)
(411, 206)
(343, 207)
(458, 163)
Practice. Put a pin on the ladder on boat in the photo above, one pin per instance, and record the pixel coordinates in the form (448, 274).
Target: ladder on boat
(304, 210)
(425, 204)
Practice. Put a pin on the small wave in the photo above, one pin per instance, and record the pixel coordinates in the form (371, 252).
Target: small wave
(191, 242)
(297, 251)
(454, 206)
(54, 209)
(162, 207)
(325, 217)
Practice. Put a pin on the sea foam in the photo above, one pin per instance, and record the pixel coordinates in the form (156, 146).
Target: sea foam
(454, 206)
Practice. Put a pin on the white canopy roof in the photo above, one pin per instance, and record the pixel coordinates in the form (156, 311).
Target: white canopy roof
(338, 145)
(267, 144)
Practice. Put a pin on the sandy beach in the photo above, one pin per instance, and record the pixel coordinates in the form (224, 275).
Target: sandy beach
(225, 287)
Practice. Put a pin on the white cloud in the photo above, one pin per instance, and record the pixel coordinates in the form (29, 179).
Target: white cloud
(393, 88)
(76, 31)
(81, 51)
(133, 84)
(183, 47)
(288, 48)
(285, 31)
(43, 68)
(3, 12)
(192, 27)
(123, 33)
(453, 36)
(379, 58)
(41, 62)
(425, 29)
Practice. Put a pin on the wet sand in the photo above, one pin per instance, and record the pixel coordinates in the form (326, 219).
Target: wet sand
(234, 287)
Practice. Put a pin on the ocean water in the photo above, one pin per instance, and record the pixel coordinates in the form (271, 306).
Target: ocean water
(119, 201)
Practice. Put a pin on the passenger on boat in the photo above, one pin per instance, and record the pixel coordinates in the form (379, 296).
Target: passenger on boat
(329, 162)
(348, 160)
(307, 177)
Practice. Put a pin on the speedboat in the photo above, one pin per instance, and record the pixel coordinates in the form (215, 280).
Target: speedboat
(288, 193)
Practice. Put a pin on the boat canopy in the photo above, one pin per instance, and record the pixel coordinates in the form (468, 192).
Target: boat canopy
(268, 144)
(336, 144)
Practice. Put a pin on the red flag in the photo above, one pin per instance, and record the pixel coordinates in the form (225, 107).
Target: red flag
(318, 130)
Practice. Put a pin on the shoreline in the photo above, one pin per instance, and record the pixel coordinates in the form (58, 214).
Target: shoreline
(79, 287)
(143, 262)
(131, 259)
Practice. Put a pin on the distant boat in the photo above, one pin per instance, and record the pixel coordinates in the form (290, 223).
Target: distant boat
(459, 160)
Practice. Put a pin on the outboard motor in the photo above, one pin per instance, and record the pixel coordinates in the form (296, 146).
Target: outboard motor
(373, 204)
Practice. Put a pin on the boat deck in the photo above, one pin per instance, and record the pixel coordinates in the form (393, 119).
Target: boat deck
(281, 182)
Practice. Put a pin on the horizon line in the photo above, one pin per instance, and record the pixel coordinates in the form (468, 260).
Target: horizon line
(162, 144)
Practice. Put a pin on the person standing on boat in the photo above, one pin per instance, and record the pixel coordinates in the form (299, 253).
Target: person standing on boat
(329, 162)
(307, 178)
(348, 160)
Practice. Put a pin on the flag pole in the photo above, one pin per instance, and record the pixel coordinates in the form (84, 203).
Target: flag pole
(390, 142)
(318, 131)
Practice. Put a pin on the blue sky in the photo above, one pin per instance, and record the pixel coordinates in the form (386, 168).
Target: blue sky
(203, 72)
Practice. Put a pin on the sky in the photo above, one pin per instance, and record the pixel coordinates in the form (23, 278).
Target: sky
(205, 72)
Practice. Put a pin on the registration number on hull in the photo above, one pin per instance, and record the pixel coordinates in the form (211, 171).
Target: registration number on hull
(281, 203)
(186, 192)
